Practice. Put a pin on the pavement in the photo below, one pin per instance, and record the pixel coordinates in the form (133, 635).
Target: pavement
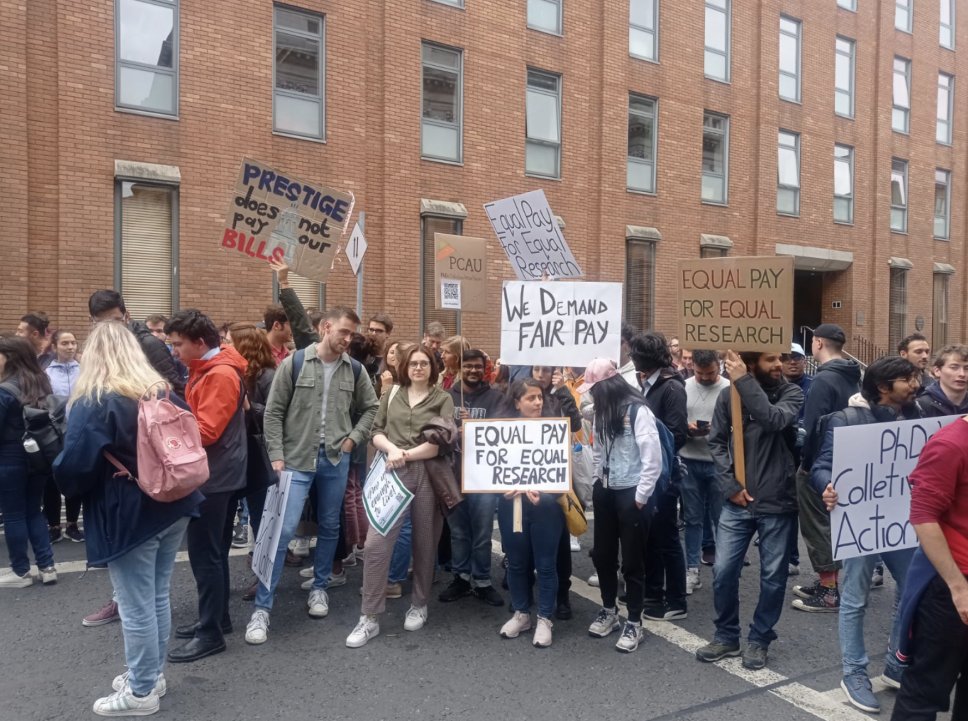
(456, 667)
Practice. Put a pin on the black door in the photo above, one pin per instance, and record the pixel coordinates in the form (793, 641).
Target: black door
(807, 305)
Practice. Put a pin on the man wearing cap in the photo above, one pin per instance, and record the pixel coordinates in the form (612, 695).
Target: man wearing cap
(837, 379)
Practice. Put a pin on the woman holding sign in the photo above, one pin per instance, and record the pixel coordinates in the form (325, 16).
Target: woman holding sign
(396, 432)
(542, 522)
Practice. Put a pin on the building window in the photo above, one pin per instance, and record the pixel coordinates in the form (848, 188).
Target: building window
(440, 130)
(640, 282)
(298, 106)
(942, 203)
(843, 184)
(902, 95)
(844, 78)
(790, 59)
(429, 289)
(640, 171)
(643, 29)
(946, 32)
(848, 5)
(899, 173)
(545, 15)
(939, 318)
(716, 60)
(454, 3)
(946, 92)
(146, 247)
(715, 158)
(897, 320)
(903, 12)
(712, 251)
(543, 147)
(146, 49)
(788, 173)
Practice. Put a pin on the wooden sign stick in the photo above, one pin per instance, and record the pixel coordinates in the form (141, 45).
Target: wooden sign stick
(739, 445)
(517, 525)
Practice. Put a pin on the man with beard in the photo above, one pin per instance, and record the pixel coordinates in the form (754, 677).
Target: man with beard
(916, 349)
(472, 522)
(766, 506)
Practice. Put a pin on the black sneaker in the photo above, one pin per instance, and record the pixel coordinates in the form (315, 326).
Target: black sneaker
(74, 533)
(563, 610)
(457, 589)
(709, 556)
(489, 595)
(807, 592)
(716, 651)
(827, 601)
(55, 534)
(665, 612)
(754, 657)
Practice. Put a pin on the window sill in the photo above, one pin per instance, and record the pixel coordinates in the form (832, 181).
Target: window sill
(556, 178)
(845, 223)
(652, 61)
(146, 113)
(715, 203)
(781, 214)
(944, 145)
(895, 231)
(293, 136)
(790, 100)
(943, 240)
(900, 132)
(442, 161)
(546, 32)
(638, 191)
(449, 4)
(718, 80)
(845, 117)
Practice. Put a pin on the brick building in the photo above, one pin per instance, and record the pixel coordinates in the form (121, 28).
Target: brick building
(658, 130)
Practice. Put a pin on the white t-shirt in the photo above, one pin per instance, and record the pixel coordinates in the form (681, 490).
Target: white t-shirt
(700, 405)
(328, 370)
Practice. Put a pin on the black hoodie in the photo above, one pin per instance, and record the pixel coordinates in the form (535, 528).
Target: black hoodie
(667, 400)
(836, 381)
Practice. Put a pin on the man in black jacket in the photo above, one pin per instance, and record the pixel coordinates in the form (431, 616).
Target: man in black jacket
(665, 562)
(949, 396)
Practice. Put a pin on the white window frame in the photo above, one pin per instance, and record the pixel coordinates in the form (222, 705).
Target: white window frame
(848, 57)
(795, 75)
(560, 20)
(282, 92)
(850, 5)
(946, 31)
(539, 141)
(725, 8)
(725, 146)
(653, 31)
(899, 168)
(944, 125)
(905, 7)
(451, 3)
(783, 143)
(847, 199)
(459, 125)
(945, 219)
(901, 113)
(172, 72)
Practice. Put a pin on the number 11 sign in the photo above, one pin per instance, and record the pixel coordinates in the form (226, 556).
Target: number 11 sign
(356, 248)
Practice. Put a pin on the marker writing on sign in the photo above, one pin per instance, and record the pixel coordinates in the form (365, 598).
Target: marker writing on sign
(579, 323)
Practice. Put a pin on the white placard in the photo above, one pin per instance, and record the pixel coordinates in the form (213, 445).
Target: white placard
(557, 324)
(450, 294)
(384, 496)
(523, 454)
(529, 234)
(270, 530)
(870, 472)
(356, 248)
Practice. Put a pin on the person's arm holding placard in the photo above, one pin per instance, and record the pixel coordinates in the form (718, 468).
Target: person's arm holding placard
(720, 433)
(773, 417)
(823, 462)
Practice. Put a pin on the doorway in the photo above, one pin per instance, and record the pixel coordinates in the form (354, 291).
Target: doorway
(807, 305)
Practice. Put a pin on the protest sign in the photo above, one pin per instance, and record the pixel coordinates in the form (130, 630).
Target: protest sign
(270, 530)
(384, 496)
(557, 324)
(275, 215)
(744, 304)
(524, 454)
(461, 258)
(450, 294)
(530, 236)
(870, 472)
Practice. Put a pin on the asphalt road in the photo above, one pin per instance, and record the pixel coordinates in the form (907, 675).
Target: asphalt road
(457, 667)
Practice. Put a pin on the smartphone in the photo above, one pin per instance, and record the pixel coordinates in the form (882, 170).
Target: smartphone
(702, 425)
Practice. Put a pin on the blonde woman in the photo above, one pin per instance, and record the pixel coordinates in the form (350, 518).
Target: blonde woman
(451, 352)
(136, 537)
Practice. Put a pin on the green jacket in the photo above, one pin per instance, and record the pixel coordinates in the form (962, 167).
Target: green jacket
(293, 416)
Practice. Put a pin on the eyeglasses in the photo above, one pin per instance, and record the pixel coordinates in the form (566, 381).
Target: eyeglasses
(912, 381)
(478, 368)
(418, 364)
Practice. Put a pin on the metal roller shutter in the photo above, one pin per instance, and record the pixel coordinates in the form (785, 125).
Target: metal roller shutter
(310, 292)
(146, 248)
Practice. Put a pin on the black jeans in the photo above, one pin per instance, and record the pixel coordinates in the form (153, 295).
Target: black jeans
(665, 562)
(940, 652)
(563, 565)
(52, 505)
(209, 539)
(619, 523)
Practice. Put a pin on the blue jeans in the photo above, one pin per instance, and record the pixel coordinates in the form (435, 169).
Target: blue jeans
(737, 526)
(330, 483)
(402, 550)
(142, 589)
(542, 526)
(23, 521)
(471, 527)
(700, 493)
(855, 587)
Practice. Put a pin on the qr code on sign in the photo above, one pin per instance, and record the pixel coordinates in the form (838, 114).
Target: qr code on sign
(451, 292)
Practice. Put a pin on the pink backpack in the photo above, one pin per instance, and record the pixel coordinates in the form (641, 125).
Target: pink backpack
(171, 460)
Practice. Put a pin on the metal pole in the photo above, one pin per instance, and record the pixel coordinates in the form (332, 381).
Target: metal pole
(359, 276)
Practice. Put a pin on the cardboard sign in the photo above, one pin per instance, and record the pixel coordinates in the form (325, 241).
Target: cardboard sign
(558, 324)
(385, 497)
(870, 473)
(523, 454)
(356, 248)
(458, 257)
(270, 530)
(274, 215)
(530, 236)
(742, 304)
(450, 294)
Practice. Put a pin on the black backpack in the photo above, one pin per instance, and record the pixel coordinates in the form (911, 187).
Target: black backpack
(45, 425)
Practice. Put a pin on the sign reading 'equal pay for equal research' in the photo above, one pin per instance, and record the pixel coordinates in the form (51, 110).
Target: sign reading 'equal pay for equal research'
(523, 454)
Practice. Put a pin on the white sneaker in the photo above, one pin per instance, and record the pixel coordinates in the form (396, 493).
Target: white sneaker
(416, 618)
(307, 572)
(605, 622)
(593, 580)
(516, 625)
(257, 630)
(629, 640)
(366, 628)
(350, 560)
(48, 575)
(318, 603)
(161, 686)
(793, 569)
(334, 581)
(542, 633)
(575, 544)
(300, 547)
(125, 703)
(692, 580)
(9, 579)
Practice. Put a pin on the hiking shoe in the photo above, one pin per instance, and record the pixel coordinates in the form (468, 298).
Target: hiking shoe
(366, 628)
(48, 575)
(542, 633)
(489, 595)
(318, 603)
(630, 638)
(754, 657)
(575, 544)
(827, 601)
(457, 589)
(240, 536)
(106, 614)
(692, 580)
(807, 592)
(161, 686)
(717, 651)
(708, 556)
(593, 580)
(55, 534)
(394, 590)
(877, 577)
(257, 630)
(859, 692)
(125, 703)
(415, 619)
(9, 579)
(74, 534)
(516, 625)
(665, 613)
(605, 622)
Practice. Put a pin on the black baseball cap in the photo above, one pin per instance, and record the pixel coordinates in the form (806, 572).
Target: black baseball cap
(830, 331)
